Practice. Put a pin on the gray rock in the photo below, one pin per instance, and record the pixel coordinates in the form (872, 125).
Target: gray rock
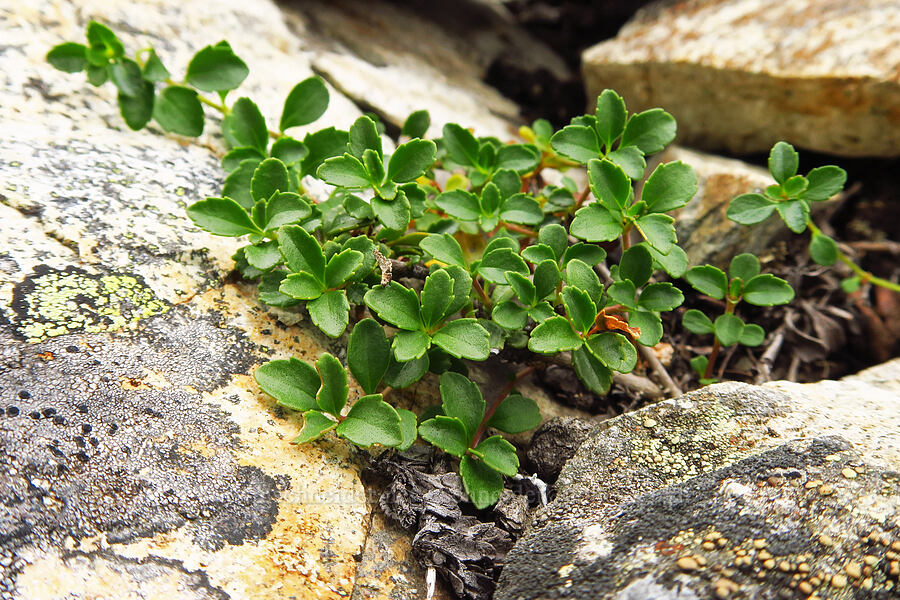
(729, 491)
(743, 74)
(555, 442)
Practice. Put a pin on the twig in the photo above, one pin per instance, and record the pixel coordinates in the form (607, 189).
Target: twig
(882, 246)
(768, 357)
(659, 370)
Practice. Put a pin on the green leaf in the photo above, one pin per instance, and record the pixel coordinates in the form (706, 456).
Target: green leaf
(330, 312)
(332, 395)
(611, 115)
(268, 289)
(69, 57)
(447, 433)
(650, 325)
(153, 69)
(581, 309)
(593, 374)
(395, 304)
(341, 267)
(177, 110)
(460, 204)
(768, 290)
(371, 420)
(699, 364)
(658, 230)
(315, 424)
(795, 186)
(490, 199)
(538, 253)
(410, 345)
(464, 338)
(613, 350)
(344, 171)
(302, 251)
(302, 286)
(660, 297)
(651, 131)
(851, 284)
(462, 288)
(516, 414)
(546, 278)
(752, 335)
(622, 292)
(554, 335)
(697, 322)
(749, 209)
(127, 77)
(462, 400)
(609, 184)
(96, 76)
(669, 186)
(436, 297)
(744, 267)
(541, 312)
(585, 278)
(285, 208)
(461, 145)
(576, 142)
(482, 483)
(521, 208)
(248, 126)
(375, 167)
(728, 329)
(237, 184)
(497, 263)
(631, 160)
(524, 289)
(409, 429)
(416, 124)
(520, 158)
(595, 223)
(364, 136)
(322, 145)
(554, 235)
(216, 69)
(509, 315)
(137, 110)
(822, 249)
(221, 216)
(393, 215)
(783, 161)
(401, 375)
(368, 354)
(587, 253)
(263, 256)
(411, 160)
(708, 280)
(499, 455)
(795, 214)
(269, 177)
(288, 150)
(101, 38)
(304, 104)
(824, 182)
(636, 265)
(293, 383)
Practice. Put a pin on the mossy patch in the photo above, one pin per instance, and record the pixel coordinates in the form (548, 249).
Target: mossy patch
(52, 302)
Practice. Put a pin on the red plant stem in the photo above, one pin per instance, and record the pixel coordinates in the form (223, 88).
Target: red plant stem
(485, 299)
(714, 353)
(582, 197)
(489, 413)
(517, 229)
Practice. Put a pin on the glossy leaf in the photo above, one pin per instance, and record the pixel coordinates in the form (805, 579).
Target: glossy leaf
(749, 209)
(669, 186)
(464, 338)
(708, 280)
(216, 68)
(697, 322)
(302, 251)
(728, 329)
(305, 103)
(330, 312)
(613, 350)
(177, 110)
(768, 290)
(651, 131)
(783, 161)
(315, 425)
(445, 248)
(482, 483)
(447, 433)
(332, 395)
(499, 455)
(370, 421)
(221, 216)
(395, 304)
(552, 336)
(293, 383)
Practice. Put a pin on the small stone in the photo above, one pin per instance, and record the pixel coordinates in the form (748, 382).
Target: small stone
(769, 564)
(725, 587)
(894, 568)
(839, 581)
(763, 555)
(867, 584)
(650, 423)
(860, 469)
(826, 490)
(853, 569)
(805, 587)
(785, 566)
(895, 546)
(813, 483)
(870, 560)
(815, 581)
(688, 563)
(803, 567)
(759, 544)
(849, 473)
(826, 540)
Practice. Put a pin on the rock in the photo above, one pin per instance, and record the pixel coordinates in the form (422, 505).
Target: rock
(739, 491)
(743, 74)
(396, 58)
(704, 231)
(555, 442)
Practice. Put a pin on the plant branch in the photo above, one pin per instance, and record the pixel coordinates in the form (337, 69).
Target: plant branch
(659, 370)
(866, 276)
(489, 413)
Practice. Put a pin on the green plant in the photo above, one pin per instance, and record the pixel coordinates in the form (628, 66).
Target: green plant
(424, 275)
(790, 196)
(743, 282)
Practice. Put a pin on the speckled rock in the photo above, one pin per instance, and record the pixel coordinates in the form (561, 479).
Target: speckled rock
(704, 230)
(732, 491)
(743, 74)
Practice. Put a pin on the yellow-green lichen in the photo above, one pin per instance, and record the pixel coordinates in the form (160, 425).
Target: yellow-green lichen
(55, 302)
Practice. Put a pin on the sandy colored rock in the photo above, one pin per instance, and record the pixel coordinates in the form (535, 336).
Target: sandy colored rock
(743, 74)
(633, 502)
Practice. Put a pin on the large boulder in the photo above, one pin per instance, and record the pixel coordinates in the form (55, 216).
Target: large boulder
(743, 74)
(732, 491)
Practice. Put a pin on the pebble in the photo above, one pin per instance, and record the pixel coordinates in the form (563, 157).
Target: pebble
(826, 489)
(849, 473)
(853, 569)
(870, 559)
(826, 540)
(688, 563)
(805, 587)
(725, 587)
(839, 581)
(650, 423)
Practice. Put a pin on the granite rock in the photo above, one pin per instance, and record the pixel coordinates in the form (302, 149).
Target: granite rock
(731, 491)
(740, 75)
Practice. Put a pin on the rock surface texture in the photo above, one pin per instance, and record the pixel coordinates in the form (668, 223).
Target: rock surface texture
(732, 491)
(743, 74)
(139, 458)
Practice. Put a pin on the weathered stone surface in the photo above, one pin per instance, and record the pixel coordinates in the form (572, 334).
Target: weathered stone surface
(395, 58)
(732, 491)
(743, 74)
(704, 230)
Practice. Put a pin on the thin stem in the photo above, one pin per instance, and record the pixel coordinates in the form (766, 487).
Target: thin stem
(866, 276)
(626, 238)
(516, 228)
(582, 197)
(485, 299)
(489, 413)
(714, 354)
(657, 367)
